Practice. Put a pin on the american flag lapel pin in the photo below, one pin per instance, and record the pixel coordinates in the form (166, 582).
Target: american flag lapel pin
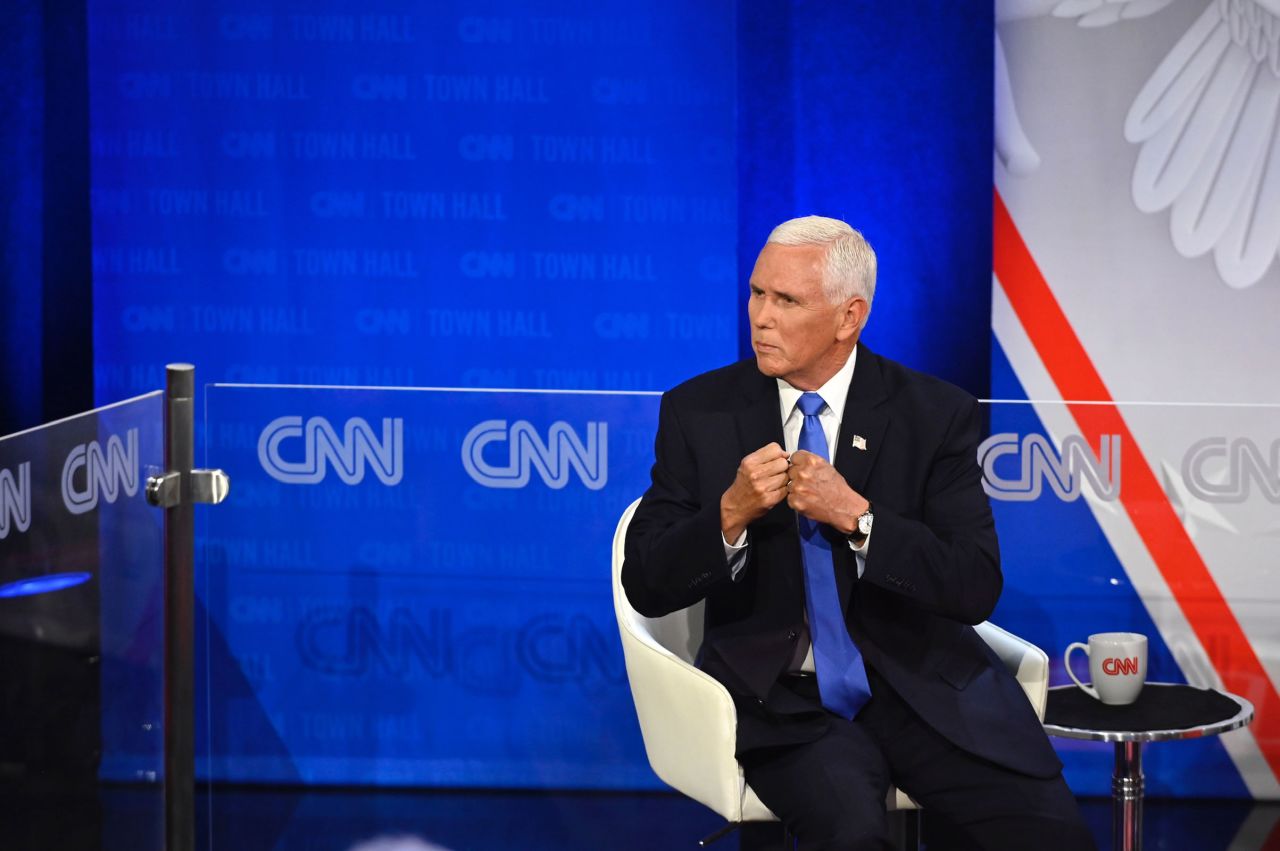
(859, 442)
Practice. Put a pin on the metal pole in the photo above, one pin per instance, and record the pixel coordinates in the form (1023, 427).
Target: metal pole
(179, 606)
(1126, 796)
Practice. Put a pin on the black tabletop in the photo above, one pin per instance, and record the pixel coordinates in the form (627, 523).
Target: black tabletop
(1160, 706)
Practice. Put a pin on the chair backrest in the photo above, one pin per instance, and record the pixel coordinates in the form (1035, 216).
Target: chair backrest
(679, 632)
(687, 719)
(1027, 662)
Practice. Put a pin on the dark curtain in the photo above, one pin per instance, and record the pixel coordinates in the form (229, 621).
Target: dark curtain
(46, 311)
(879, 114)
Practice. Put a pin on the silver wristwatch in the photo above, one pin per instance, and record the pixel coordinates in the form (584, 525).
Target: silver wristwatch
(863, 527)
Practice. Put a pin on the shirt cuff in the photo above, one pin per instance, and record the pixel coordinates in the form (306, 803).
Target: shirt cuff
(860, 553)
(735, 554)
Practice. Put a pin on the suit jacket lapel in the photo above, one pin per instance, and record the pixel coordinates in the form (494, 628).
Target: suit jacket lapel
(863, 418)
(865, 421)
(758, 422)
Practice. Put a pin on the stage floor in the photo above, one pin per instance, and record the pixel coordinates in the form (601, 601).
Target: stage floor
(65, 816)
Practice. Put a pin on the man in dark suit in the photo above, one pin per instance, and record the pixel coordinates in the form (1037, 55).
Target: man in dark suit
(840, 594)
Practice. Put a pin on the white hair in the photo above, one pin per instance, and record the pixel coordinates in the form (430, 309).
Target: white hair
(850, 262)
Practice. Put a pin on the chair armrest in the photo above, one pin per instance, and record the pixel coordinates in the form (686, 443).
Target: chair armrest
(1023, 659)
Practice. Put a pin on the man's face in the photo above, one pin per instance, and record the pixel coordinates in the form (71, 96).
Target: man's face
(796, 333)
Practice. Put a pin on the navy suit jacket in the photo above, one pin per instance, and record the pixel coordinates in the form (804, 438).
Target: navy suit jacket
(932, 569)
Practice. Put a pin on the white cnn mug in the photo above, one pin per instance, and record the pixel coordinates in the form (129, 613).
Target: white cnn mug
(1117, 665)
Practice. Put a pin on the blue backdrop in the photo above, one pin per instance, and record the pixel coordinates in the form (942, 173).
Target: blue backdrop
(880, 114)
(488, 195)
(494, 194)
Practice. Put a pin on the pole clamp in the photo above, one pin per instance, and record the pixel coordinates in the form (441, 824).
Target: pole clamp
(207, 486)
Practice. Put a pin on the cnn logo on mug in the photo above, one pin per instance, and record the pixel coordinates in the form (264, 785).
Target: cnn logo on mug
(1117, 666)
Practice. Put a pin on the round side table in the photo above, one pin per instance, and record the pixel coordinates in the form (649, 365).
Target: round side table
(1163, 711)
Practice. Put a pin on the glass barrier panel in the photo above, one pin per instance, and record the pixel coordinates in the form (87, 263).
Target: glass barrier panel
(1160, 519)
(411, 587)
(81, 630)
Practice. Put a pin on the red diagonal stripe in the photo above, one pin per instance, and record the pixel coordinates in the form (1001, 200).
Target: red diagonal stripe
(1272, 842)
(1147, 505)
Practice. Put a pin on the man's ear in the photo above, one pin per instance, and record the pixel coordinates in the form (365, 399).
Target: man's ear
(852, 314)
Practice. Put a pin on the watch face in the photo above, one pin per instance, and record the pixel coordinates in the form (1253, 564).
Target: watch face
(864, 523)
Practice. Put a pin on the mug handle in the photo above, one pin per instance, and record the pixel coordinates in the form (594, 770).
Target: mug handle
(1066, 663)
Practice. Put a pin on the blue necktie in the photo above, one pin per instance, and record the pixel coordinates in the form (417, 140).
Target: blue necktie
(842, 676)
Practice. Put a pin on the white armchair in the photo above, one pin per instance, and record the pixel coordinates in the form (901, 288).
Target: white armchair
(688, 720)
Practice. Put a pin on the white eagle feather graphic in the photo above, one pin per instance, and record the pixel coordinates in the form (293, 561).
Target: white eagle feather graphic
(1207, 124)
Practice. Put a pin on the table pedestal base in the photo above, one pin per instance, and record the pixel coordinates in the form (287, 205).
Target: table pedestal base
(1072, 714)
(1126, 797)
